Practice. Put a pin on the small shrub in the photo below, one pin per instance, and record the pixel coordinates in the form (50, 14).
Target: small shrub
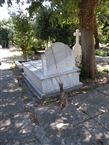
(11, 68)
(13, 62)
(100, 52)
(31, 140)
(82, 73)
(107, 53)
(47, 101)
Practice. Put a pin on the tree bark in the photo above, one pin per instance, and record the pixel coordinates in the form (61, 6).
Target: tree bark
(24, 54)
(87, 24)
(88, 54)
(96, 38)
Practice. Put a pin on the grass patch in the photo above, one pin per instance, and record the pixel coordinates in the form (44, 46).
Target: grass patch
(25, 99)
(12, 65)
(84, 110)
(14, 56)
(19, 84)
(31, 140)
(13, 62)
(47, 101)
(11, 68)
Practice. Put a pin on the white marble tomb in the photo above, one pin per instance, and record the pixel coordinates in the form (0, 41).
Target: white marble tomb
(56, 64)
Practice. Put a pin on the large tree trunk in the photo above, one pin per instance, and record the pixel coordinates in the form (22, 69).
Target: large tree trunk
(88, 54)
(87, 23)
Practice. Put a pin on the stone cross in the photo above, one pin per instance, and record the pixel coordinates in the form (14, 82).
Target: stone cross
(77, 34)
(77, 48)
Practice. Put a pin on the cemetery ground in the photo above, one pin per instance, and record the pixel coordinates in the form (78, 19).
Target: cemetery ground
(26, 120)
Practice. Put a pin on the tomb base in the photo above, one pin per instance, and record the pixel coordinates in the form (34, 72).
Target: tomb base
(47, 86)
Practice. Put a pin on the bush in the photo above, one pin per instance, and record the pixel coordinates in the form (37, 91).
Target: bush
(83, 74)
(101, 52)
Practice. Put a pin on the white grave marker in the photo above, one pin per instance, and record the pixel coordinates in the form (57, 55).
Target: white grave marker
(64, 59)
(77, 48)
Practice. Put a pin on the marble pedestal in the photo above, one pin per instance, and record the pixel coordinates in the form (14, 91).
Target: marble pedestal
(45, 86)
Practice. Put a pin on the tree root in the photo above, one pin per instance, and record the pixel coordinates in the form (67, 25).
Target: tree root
(63, 99)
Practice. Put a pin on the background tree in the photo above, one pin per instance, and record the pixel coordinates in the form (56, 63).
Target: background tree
(24, 36)
(85, 9)
(87, 19)
(43, 27)
(6, 31)
(47, 25)
(2, 2)
(102, 22)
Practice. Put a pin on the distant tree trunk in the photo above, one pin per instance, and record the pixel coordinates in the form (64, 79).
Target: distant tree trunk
(24, 54)
(87, 23)
(96, 38)
(47, 43)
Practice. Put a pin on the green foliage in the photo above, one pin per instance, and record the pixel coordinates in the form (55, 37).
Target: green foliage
(34, 6)
(14, 55)
(12, 65)
(47, 101)
(43, 25)
(6, 31)
(32, 140)
(66, 14)
(66, 11)
(83, 74)
(102, 52)
(102, 21)
(47, 25)
(39, 45)
(84, 110)
(24, 35)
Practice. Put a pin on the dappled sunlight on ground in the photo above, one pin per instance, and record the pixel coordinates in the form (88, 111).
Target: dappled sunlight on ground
(6, 53)
(7, 58)
(102, 66)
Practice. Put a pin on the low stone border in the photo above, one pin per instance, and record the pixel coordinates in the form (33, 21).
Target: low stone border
(102, 59)
(98, 59)
(20, 66)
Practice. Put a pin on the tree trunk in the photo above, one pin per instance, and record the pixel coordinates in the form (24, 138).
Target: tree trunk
(88, 54)
(87, 23)
(24, 54)
(96, 38)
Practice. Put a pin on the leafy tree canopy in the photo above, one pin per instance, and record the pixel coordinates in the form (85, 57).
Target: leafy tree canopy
(103, 22)
(47, 25)
(85, 10)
